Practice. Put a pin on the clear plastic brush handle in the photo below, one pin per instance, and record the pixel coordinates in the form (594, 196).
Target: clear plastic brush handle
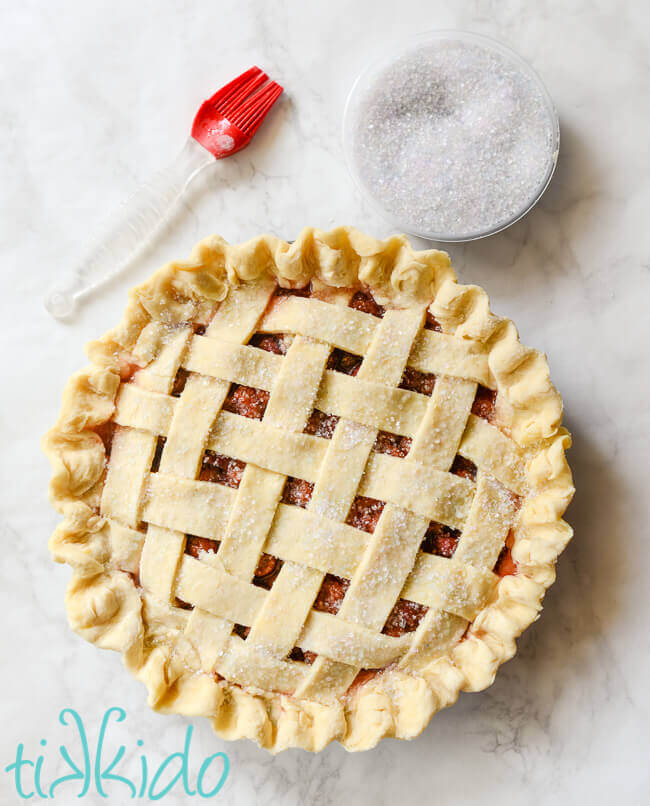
(131, 229)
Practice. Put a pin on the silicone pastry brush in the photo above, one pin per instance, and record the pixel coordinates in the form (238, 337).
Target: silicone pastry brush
(224, 124)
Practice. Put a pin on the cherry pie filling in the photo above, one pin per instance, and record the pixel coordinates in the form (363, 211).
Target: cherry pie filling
(364, 513)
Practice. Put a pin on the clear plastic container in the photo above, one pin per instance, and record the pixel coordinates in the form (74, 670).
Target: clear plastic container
(368, 78)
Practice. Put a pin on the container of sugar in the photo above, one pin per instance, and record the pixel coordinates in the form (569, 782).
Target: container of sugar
(452, 136)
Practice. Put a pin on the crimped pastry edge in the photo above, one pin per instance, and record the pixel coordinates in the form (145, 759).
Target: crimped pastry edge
(103, 603)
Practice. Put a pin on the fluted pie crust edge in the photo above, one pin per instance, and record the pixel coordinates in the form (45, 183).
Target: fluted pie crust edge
(103, 602)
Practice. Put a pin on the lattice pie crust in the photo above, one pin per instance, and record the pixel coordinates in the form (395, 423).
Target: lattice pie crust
(268, 660)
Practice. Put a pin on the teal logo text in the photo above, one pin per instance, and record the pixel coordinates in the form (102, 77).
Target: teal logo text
(95, 771)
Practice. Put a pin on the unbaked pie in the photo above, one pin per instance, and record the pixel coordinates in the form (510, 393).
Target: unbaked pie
(310, 490)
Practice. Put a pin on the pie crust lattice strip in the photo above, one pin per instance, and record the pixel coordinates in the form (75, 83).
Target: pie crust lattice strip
(310, 490)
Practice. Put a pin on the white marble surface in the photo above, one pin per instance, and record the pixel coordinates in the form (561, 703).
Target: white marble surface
(97, 94)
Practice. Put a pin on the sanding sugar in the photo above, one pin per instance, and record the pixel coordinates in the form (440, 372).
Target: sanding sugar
(452, 139)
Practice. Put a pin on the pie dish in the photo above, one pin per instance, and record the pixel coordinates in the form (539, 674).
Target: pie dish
(311, 490)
